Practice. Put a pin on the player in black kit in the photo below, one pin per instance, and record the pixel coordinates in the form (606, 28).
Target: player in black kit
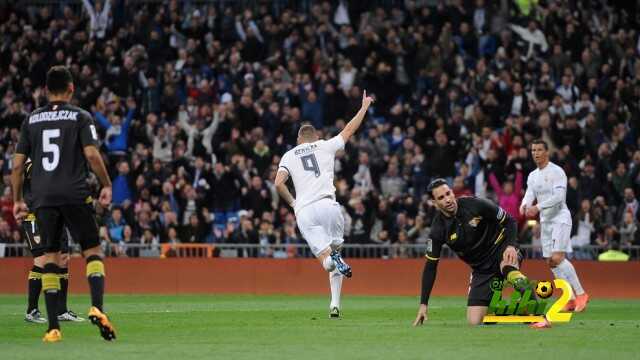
(37, 249)
(61, 139)
(483, 235)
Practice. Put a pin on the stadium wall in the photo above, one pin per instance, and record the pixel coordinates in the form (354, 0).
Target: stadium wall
(305, 276)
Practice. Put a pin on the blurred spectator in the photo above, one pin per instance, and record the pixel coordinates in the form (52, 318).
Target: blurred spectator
(361, 222)
(192, 232)
(122, 185)
(628, 229)
(583, 231)
(99, 17)
(391, 184)
(115, 226)
(266, 237)
(509, 194)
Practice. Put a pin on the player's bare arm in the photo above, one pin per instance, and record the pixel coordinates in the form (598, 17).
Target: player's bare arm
(94, 158)
(17, 178)
(281, 186)
(428, 279)
(353, 125)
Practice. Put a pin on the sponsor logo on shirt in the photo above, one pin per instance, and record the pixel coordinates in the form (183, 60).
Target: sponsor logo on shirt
(476, 220)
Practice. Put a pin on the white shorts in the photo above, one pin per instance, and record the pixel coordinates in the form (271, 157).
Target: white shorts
(555, 237)
(322, 225)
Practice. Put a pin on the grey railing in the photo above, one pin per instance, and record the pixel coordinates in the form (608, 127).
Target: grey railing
(386, 251)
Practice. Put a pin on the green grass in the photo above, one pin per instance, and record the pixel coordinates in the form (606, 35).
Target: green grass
(287, 327)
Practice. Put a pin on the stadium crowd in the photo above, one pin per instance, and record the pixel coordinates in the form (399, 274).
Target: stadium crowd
(195, 103)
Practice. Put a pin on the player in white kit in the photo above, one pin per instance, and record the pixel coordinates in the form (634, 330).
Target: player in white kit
(319, 216)
(548, 185)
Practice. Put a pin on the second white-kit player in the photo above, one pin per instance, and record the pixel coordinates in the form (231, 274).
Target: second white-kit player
(548, 185)
(311, 166)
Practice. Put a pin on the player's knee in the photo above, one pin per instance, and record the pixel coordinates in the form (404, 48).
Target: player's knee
(555, 259)
(328, 264)
(551, 262)
(94, 251)
(63, 260)
(95, 266)
(51, 256)
(474, 320)
(39, 261)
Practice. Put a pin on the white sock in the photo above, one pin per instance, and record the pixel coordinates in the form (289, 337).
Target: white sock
(335, 281)
(571, 276)
(559, 274)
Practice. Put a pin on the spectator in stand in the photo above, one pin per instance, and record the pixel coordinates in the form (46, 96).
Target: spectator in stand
(509, 194)
(628, 230)
(583, 231)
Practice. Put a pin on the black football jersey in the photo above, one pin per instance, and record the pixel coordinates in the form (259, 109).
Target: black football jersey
(476, 233)
(54, 137)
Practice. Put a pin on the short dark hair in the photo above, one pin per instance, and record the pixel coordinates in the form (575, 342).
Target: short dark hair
(540, 142)
(58, 79)
(434, 184)
(306, 130)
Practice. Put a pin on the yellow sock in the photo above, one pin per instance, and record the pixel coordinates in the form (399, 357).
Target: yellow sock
(513, 275)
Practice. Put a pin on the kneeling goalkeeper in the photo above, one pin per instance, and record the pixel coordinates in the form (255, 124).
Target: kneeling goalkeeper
(483, 235)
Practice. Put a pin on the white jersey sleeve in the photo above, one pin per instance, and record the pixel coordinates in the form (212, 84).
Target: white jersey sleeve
(285, 163)
(311, 166)
(334, 144)
(529, 196)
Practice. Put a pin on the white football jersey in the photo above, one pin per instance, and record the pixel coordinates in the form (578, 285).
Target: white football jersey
(310, 166)
(549, 187)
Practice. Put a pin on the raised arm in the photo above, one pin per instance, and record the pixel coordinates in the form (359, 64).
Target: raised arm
(207, 134)
(495, 185)
(518, 185)
(128, 118)
(211, 129)
(240, 30)
(105, 8)
(183, 121)
(89, 8)
(354, 124)
(102, 120)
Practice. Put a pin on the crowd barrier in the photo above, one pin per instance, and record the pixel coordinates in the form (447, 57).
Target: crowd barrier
(231, 250)
(260, 276)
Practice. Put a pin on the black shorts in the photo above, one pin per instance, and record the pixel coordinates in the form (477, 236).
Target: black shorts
(34, 241)
(79, 219)
(480, 284)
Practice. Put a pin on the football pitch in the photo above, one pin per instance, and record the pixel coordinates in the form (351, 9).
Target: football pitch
(297, 327)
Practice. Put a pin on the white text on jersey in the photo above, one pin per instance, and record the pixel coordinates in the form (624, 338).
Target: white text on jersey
(53, 116)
